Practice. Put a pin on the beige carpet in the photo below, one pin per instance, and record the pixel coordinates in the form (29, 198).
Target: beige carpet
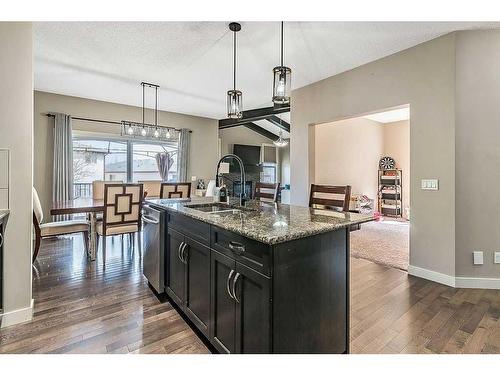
(385, 242)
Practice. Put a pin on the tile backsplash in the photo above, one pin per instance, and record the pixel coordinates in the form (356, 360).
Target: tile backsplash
(4, 178)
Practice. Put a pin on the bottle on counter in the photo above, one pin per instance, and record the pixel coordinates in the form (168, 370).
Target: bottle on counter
(223, 194)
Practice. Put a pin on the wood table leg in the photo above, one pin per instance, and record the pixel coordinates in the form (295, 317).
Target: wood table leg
(92, 234)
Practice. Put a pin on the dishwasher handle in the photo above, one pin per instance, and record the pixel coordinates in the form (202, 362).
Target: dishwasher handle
(149, 220)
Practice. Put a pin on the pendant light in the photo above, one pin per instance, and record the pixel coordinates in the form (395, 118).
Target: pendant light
(281, 80)
(280, 142)
(234, 97)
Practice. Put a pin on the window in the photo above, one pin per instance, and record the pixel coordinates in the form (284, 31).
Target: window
(268, 173)
(144, 165)
(117, 160)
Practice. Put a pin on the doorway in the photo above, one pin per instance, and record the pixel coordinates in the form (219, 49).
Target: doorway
(371, 153)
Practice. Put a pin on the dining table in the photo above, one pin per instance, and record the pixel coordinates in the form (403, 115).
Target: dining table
(89, 206)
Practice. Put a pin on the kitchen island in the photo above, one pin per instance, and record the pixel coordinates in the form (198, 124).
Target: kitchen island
(266, 278)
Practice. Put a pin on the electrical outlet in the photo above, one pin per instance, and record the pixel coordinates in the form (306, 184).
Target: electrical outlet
(478, 257)
(496, 257)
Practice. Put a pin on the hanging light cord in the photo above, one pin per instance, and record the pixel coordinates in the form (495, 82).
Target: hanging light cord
(234, 60)
(281, 43)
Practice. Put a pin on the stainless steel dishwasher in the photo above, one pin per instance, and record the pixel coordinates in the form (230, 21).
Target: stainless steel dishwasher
(153, 226)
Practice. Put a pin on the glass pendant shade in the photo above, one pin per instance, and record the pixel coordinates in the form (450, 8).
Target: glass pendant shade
(234, 104)
(282, 84)
(280, 142)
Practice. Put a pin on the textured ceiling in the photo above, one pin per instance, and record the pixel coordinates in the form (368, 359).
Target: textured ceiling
(192, 62)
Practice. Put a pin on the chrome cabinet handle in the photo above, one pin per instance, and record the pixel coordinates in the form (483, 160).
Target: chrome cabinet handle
(179, 251)
(236, 247)
(149, 220)
(235, 280)
(184, 254)
(227, 284)
(1, 239)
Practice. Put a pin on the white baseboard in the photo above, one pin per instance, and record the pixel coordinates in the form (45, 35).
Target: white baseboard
(17, 316)
(477, 282)
(432, 275)
(455, 282)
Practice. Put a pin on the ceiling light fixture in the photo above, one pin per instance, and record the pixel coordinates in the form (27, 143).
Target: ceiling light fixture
(282, 77)
(234, 97)
(280, 142)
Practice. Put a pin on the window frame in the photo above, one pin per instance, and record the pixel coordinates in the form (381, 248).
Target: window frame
(130, 146)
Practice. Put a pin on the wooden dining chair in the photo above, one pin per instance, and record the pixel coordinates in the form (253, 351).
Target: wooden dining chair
(151, 188)
(266, 192)
(122, 211)
(56, 228)
(175, 190)
(330, 197)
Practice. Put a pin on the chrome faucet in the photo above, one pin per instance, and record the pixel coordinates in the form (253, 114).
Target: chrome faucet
(242, 175)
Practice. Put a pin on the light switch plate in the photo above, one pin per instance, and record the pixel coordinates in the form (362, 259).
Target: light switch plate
(478, 257)
(430, 184)
(496, 257)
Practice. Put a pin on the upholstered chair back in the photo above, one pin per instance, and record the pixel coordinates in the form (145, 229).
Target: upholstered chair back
(122, 204)
(175, 190)
(37, 207)
(152, 188)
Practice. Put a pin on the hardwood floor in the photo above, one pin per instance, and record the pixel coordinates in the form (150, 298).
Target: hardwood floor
(85, 307)
(92, 307)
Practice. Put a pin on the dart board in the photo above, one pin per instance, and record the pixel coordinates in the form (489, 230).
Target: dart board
(387, 163)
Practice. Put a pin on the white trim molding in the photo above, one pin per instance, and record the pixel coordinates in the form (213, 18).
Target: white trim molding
(455, 282)
(17, 316)
(432, 275)
(477, 282)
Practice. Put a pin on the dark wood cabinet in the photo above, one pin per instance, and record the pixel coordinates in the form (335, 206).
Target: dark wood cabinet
(197, 295)
(223, 308)
(252, 293)
(241, 307)
(188, 281)
(176, 276)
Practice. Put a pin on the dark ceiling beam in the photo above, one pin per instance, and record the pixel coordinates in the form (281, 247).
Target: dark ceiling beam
(256, 128)
(253, 115)
(275, 120)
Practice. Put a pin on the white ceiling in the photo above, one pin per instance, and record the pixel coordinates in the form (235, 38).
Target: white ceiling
(390, 116)
(192, 61)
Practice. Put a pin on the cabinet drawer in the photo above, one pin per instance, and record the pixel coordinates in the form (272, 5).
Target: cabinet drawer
(195, 229)
(253, 254)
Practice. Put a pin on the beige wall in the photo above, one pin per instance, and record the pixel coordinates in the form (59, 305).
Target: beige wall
(397, 145)
(16, 134)
(424, 77)
(477, 151)
(203, 150)
(347, 153)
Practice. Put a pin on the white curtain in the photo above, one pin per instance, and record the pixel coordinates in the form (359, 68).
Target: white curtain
(183, 156)
(62, 187)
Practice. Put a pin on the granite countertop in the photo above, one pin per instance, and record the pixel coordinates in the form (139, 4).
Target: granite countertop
(267, 222)
(4, 214)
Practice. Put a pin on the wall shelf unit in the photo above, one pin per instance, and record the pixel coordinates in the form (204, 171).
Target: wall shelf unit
(390, 192)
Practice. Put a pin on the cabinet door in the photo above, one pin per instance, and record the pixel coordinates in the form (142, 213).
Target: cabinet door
(222, 332)
(197, 299)
(176, 268)
(253, 310)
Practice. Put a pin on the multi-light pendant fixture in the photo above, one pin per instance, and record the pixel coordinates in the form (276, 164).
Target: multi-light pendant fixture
(234, 97)
(282, 78)
(134, 129)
